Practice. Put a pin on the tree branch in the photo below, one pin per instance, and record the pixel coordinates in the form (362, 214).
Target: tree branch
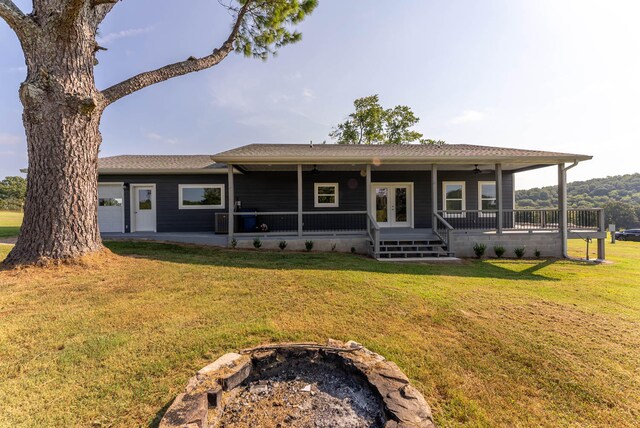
(181, 68)
(101, 9)
(18, 21)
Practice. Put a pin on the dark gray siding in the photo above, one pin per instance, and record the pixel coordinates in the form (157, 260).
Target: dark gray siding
(471, 190)
(277, 191)
(168, 217)
(351, 187)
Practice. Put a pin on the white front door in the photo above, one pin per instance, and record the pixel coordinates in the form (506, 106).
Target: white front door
(392, 204)
(144, 209)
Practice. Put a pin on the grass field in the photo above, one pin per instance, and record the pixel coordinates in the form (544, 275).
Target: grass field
(494, 342)
(10, 222)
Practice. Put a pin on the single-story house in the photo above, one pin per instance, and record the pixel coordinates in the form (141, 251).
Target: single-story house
(392, 201)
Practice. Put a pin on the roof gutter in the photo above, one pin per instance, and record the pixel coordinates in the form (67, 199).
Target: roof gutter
(393, 160)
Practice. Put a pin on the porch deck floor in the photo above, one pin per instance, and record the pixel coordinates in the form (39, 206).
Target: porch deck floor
(406, 234)
(216, 240)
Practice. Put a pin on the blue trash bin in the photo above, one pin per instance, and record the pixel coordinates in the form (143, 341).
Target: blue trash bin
(248, 221)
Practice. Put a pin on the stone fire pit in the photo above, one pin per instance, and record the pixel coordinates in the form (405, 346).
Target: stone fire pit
(337, 385)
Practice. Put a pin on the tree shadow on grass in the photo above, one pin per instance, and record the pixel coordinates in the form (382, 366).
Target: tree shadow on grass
(9, 231)
(272, 260)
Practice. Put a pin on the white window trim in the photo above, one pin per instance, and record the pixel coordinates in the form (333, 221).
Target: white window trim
(317, 204)
(201, 186)
(481, 212)
(464, 199)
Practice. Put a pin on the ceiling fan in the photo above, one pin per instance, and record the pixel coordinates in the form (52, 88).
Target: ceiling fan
(476, 170)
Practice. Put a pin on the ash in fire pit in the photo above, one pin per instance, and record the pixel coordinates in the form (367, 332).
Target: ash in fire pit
(300, 385)
(305, 394)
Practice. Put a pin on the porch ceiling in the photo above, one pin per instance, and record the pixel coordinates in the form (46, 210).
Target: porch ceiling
(512, 166)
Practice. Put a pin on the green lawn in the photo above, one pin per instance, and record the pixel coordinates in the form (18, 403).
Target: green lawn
(496, 342)
(10, 222)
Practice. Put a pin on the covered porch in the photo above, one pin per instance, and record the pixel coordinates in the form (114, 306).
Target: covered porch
(408, 203)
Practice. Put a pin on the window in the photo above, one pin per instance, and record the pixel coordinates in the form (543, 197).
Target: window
(201, 196)
(453, 198)
(109, 202)
(487, 198)
(326, 195)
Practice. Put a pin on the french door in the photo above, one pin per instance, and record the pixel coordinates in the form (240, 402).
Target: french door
(393, 204)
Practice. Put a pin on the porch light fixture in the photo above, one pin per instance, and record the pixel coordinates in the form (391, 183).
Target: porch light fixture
(315, 169)
(476, 170)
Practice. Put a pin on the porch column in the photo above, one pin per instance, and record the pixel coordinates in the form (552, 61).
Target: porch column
(368, 189)
(499, 198)
(601, 228)
(434, 190)
(562, 207)
(299, 200)
(232, 203)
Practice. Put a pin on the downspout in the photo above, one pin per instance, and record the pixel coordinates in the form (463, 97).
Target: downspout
(565, 223)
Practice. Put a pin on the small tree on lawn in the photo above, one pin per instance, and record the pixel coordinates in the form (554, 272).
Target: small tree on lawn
(63, 107)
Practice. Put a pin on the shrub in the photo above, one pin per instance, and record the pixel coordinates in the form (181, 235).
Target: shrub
(537, 253)
(234, 242)
(308, 245)
(257, 243)
(499, 250)
(282, 245)
(519, 252)
(479, 249)
(333, 247)
(353, 250)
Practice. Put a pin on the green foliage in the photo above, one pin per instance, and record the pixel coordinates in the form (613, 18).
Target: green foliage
(353, 250)
(519, 252)
(267, 25)
(499, 251)
(257, 243)
(372, 124)
(594, 193)
(282, 245)
(537, 253)
(622, 214)
(12, 193)
(479, 249)
(308, 245)
(234, 243)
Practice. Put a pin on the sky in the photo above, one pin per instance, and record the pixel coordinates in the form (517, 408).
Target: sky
(558, 75)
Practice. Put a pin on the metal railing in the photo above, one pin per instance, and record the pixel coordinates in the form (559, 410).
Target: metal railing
(441, 228)
(286, 222)
(335, 222)
(373, 231)
(522, 219)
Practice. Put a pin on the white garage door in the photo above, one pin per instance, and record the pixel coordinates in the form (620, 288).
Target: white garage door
(110, 208)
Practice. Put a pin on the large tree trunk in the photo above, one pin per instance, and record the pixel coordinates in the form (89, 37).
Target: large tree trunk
(62, 110)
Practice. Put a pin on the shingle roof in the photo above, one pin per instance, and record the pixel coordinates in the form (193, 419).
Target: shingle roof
(157, 163)
(409, 152)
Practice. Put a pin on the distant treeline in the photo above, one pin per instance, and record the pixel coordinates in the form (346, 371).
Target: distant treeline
(12, 193)
(619, 195)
